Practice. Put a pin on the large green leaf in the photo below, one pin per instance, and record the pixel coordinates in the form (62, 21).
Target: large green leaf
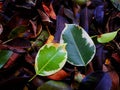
(107, 37)
(50, 59)
(54, 85)
(4, 56)
(80, 46)
(116, 4)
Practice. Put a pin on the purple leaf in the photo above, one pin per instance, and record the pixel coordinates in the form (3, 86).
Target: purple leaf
(96, 81)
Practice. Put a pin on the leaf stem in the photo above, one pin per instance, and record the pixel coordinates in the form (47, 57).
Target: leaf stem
(32, 78)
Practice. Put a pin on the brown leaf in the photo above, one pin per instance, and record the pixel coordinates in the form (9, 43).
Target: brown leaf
(35, 28)
(29, 59)
(60, 75)
(116, 57)
(49, 10)
(43, 16)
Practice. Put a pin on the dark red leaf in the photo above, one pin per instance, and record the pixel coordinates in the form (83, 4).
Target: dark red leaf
(11, 60)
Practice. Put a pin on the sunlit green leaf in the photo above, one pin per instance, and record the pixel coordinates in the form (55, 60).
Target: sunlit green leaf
(4, 56)
(80, 46)
(50, 59)
(107, 37)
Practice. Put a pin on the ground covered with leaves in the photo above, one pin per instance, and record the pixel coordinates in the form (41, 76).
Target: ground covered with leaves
(59, 45)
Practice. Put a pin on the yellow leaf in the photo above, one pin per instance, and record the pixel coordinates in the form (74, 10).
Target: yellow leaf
(50, 39)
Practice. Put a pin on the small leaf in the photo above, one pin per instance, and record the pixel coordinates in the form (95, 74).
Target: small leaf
(80, 47)
(50, 59)
(60, 75)
(17, 32)
(50, 39)
(107, 37)
(44, 17)
(4, 56)
(54, 85)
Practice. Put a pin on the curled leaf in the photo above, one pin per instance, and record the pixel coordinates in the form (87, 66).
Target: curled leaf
(44, 17)
(49, 10)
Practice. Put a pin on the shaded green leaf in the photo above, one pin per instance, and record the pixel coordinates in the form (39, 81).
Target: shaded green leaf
(54, 85)
(41, 39)
(50, 59)
(80, 46)
(4, 56)
(116, 4)
(18, 31)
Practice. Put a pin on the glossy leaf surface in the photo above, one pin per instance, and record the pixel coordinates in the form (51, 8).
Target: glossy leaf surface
(4, 56)
(50, 59)
(80, 47)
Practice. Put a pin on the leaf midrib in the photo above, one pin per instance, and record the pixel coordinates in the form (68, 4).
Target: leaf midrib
(77, 48)
(47, 63)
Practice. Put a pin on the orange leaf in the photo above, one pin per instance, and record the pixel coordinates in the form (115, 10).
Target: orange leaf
(50, 39)
(49, 10)
(60, 75)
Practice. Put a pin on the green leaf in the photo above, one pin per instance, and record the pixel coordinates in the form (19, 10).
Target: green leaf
(50, 59)
(107, 37)
(4, 56)
(41, 39)
(80, 46)
(54, 85)
(116, 4)
(17, 31)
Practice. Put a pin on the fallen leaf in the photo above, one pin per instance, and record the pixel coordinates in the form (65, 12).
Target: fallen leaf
(60, 75)
(11, 60)
(49, 10)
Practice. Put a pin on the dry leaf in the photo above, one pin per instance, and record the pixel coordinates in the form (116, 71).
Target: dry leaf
(49, 10)
(60, 75)
(44, 17)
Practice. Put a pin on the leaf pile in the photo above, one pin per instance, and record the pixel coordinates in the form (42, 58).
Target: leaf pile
(59, 44)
